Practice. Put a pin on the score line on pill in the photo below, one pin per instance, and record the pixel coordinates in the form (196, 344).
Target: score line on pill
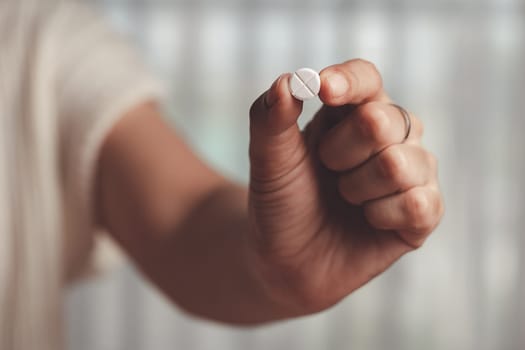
(305, 84)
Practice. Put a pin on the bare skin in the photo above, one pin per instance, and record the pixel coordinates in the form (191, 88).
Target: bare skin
(327, 208)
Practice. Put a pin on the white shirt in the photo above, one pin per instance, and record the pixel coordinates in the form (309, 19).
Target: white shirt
(65, 79)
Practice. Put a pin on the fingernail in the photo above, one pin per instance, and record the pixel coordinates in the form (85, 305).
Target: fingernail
(337, 84)
(271, 97)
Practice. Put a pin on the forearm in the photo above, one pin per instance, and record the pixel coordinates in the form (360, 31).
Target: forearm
(206, 265)
(182, 223)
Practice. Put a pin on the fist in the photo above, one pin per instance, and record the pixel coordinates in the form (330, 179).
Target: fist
(335, 204)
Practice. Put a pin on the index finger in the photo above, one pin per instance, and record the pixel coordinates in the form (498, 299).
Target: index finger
(352, 82)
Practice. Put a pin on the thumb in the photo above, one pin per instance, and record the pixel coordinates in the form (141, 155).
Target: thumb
(276, 141)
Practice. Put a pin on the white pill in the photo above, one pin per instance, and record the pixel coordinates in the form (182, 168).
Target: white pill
(305, 84)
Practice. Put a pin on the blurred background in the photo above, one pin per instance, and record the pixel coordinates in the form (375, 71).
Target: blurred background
(458, 64)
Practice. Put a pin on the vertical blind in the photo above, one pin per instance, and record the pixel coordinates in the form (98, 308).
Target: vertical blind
(457, 64)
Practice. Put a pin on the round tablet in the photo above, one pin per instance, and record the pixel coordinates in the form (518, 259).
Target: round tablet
(305, 84)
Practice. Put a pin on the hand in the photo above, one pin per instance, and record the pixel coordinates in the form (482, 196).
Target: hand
(336, 204)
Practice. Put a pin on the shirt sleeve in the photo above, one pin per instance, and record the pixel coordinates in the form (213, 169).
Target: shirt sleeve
(99, 78)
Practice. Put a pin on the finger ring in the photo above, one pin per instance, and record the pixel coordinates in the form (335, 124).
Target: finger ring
(406, 117)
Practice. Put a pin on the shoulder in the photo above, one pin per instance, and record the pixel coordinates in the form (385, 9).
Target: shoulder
(29, 24)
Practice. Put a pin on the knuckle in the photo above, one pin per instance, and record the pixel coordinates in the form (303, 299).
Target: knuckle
(420, 212)
(375, 75)
(373, 122)
(432, 160)
(393, 165)
(368, 64)
(415, 241)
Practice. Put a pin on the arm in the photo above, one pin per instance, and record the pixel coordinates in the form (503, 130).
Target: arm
(182, 223)
(327, 209)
